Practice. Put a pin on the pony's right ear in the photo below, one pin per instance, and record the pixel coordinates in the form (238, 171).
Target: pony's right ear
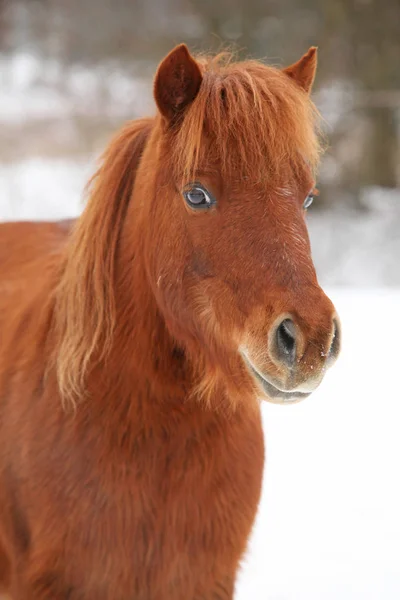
(177, 82)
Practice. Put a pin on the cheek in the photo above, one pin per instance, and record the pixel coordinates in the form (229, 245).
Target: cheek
(197, 304)
(200, 264)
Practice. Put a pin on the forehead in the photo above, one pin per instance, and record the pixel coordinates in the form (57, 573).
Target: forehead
(292, 182)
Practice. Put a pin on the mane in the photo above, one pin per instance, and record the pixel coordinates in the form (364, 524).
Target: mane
(256, 119)
(85, 301)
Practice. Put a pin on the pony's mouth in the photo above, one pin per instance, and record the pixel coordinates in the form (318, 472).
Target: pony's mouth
(273, 393)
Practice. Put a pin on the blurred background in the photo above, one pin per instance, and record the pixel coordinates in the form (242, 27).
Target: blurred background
(72, 71)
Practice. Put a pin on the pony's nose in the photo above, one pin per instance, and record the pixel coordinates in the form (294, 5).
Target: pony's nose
(284, 343)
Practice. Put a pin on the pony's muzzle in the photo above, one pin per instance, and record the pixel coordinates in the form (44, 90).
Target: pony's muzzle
(298, 358)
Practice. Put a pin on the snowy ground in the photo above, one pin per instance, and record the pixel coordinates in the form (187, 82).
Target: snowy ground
(329, 522)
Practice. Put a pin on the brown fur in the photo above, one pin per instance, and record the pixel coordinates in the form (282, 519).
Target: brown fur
(133, 316)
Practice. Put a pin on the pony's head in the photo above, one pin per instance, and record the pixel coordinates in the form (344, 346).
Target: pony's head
(234, 152)
(204, 206)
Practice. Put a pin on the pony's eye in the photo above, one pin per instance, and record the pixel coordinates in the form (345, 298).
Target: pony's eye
(308, 201)
(198, 197)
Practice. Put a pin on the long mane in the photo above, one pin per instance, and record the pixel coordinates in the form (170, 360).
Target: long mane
(85, 298)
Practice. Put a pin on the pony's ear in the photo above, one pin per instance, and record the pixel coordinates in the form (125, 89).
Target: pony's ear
(303, 71)
(177, 82)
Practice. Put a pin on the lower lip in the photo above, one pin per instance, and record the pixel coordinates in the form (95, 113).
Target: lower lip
(273, 393)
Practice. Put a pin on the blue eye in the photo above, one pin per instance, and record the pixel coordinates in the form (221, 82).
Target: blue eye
(308, 201)
(197, 196)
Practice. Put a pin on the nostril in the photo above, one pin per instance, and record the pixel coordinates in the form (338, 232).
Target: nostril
(335, 344)
(286, 341)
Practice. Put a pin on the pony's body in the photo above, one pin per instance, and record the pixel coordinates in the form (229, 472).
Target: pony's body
(131, 449)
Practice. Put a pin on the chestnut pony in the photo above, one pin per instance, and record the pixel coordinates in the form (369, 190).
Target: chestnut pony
(135, 344)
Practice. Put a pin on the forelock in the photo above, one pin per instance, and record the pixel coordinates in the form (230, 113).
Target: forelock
(252, 121)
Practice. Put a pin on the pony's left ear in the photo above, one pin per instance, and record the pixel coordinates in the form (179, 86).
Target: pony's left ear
(177, 82)
(303, 71)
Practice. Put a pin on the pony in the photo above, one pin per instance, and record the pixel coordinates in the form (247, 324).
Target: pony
(137, 342)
